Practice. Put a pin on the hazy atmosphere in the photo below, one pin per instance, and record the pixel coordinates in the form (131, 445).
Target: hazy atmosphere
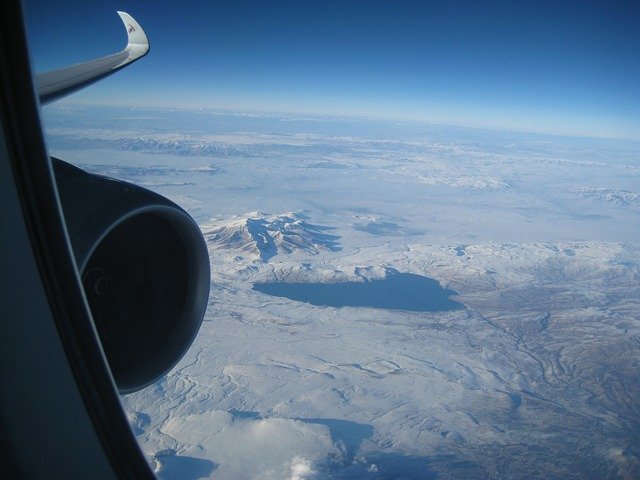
(422, 222)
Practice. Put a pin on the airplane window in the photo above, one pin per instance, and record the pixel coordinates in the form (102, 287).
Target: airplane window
(421, 223)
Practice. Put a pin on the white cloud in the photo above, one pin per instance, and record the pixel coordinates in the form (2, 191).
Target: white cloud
(301, 469)
(253, 448)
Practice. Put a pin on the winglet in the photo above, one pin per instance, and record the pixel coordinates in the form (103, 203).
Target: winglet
(135, 34)
(56, 84)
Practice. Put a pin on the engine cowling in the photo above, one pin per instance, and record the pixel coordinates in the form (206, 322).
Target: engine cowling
(145, 270)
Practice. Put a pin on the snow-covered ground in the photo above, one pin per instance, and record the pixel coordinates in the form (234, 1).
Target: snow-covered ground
(536, 377)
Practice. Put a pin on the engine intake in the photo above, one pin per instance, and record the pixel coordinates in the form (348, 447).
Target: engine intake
(145, 270)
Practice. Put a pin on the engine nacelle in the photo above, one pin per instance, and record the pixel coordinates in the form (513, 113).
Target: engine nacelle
(145, 270)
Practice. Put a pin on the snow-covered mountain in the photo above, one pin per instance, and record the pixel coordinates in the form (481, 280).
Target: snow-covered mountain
(261, 236)
(610, 195)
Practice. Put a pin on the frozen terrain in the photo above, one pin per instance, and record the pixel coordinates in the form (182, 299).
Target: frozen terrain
(533, 374)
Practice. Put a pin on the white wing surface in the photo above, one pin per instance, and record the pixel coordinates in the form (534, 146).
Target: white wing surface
(59, 83)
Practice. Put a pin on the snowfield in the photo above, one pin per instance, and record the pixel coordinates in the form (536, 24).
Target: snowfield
(535, 377)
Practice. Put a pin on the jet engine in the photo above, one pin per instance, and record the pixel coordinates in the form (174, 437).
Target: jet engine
(145, 270)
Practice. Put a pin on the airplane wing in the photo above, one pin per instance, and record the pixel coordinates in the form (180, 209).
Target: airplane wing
(53, 85)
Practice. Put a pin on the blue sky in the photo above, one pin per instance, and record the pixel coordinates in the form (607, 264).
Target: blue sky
(557, 67)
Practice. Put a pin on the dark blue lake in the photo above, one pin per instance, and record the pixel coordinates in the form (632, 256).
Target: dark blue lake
(398, 291)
